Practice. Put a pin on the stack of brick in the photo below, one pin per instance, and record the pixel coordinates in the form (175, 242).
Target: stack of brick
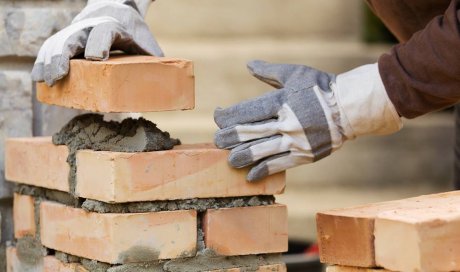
(183, 209)
(415, 234)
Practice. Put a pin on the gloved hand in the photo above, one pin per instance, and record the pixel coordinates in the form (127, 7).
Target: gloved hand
(101, 26)
(310, 115)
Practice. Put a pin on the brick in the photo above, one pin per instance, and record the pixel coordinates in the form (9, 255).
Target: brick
(48, 264)
(188, 171)
(124, 84)
(263, 268)
(424, 237)
(246, 230)
(346, 236)
(338, 268)
(14, 264)
(118, 238)
(15, 114)
(51, 264)
(36, 161)
(23, 216)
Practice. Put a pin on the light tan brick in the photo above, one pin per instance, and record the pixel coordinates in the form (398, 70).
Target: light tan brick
(124, 84)
(263, 268)
(51, 264)
(118, 238)
(14, 264)
(246, 230)
(36, 161)
(425, 237)
(187, 171)
(346, 236)
(23, 216)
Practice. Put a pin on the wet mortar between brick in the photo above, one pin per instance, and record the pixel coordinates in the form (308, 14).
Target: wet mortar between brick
(90, 131)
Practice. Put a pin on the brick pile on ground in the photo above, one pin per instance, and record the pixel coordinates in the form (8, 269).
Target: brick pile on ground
(415, 234)
(106, 196)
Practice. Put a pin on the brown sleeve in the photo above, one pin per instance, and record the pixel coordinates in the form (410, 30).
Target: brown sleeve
(423, 74)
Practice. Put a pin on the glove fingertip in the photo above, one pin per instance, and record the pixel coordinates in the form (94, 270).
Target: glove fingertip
(257, 173)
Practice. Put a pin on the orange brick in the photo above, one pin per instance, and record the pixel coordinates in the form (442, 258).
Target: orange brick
(187, 171)
(264, 268)
(425, 237)
(246, 230)
(118, 238)
(23, 216)
(346, 236)
(51, 264)
(36, 161)
(124, 84)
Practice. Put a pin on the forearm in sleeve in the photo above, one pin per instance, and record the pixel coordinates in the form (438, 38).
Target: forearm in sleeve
(423, 74)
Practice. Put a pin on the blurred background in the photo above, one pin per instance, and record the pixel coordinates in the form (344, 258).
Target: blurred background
(334, 36)
(220, 37)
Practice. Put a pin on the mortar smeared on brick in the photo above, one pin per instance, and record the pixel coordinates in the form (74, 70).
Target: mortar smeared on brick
(199, 204)
(90, 131)
(30, 251)
(204, 261)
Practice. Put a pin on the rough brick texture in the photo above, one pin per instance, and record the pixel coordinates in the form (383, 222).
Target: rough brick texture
(188, 171)
(124, 84)
(118, 238)
(424, 237)
(346, 236)
(24, 216)
(47, 264)
(246, 230)
(36, 161)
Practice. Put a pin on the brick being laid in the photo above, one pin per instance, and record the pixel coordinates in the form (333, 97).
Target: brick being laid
(338, 268)
(348, 236)
(124, 84)
(246, 230)
(187, 171)
(23, 216)
(118, 238)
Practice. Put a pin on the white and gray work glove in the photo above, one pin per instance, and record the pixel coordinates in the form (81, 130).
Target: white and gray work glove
(310, 115)
(103, 25)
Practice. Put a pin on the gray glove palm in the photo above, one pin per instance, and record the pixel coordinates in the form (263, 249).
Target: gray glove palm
(100, 27)
(296, 124)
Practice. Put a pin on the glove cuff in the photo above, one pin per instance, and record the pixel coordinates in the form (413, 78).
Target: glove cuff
(364, 103)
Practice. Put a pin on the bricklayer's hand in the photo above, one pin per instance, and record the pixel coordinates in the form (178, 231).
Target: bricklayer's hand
(310, 115)
(103, 25)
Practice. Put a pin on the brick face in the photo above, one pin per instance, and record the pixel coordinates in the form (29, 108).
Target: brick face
(188, 171)
(23, 216)
(36, 161)
(118, 238)
(124, 84)
(246, 230)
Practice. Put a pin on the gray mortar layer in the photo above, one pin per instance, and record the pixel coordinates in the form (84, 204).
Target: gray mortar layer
(198, 204)
(30, 251)
(90, 131)
(204, 261)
